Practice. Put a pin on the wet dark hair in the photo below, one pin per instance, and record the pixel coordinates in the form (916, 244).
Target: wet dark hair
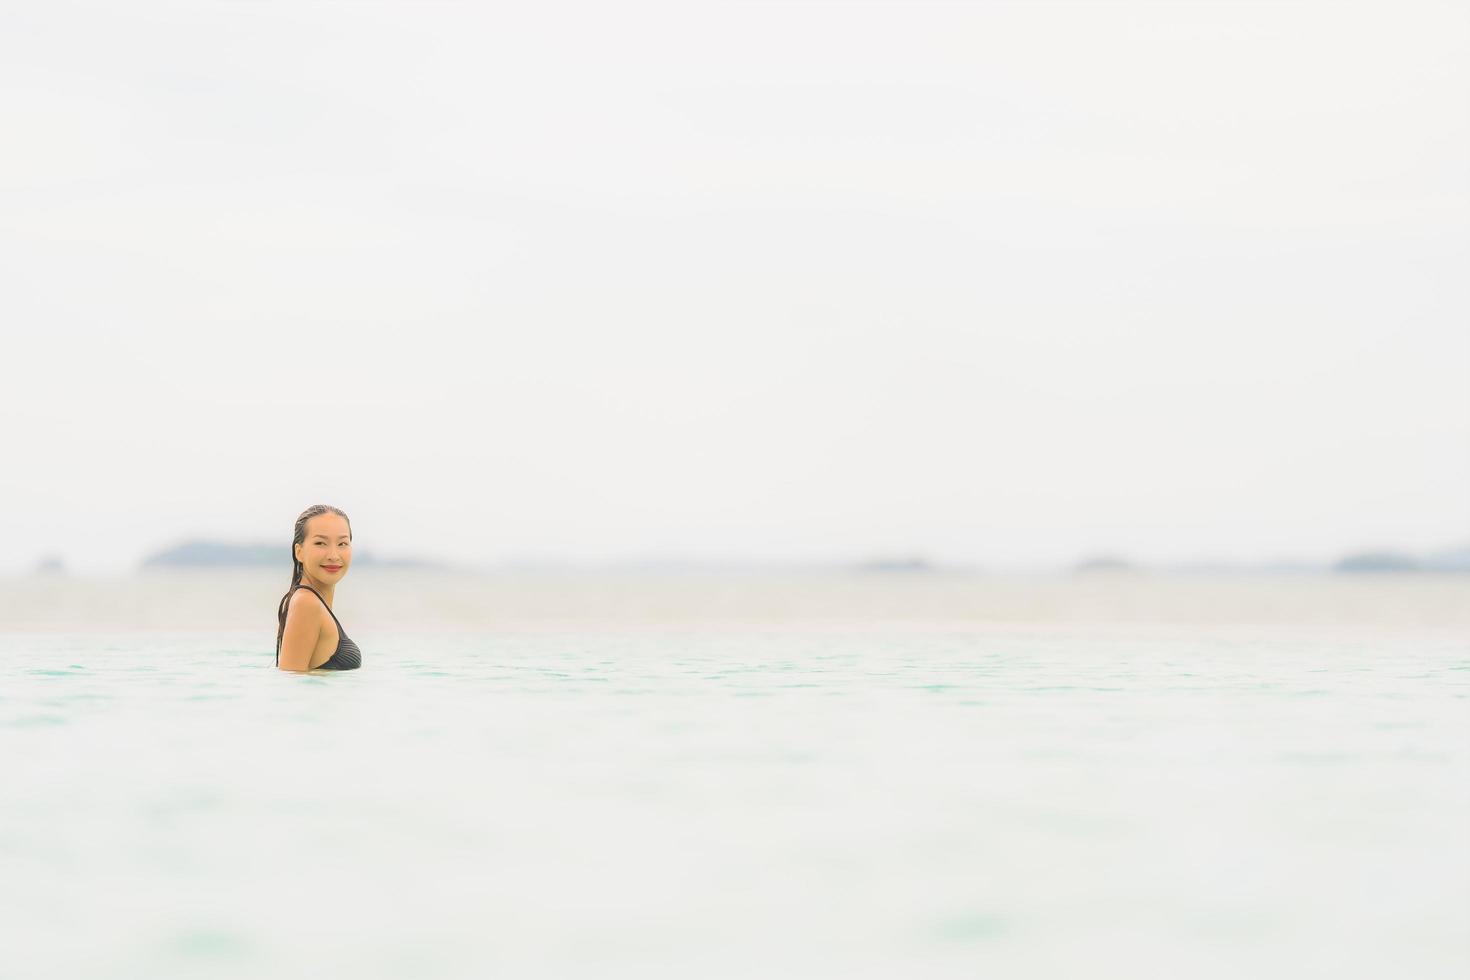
(299, 537)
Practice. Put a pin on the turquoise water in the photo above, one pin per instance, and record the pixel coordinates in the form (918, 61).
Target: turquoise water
(872, 799)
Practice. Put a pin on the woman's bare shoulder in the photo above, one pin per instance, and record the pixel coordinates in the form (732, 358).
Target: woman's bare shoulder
(302, 630)
(305, 600)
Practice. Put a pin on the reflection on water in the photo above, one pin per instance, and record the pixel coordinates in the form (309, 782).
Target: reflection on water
(732, 776)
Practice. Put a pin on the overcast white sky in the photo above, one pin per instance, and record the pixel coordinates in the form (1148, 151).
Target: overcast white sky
(995, 283)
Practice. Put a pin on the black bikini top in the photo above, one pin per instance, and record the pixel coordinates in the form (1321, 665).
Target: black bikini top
(347, 656)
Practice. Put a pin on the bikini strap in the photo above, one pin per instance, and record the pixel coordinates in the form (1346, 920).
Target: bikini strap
(324, 603)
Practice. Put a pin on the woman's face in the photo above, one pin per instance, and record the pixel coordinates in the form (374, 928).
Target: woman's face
(327, 550)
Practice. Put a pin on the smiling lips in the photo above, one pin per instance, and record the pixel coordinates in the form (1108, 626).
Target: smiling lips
(332, 568)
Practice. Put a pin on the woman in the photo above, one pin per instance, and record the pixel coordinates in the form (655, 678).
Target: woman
(308, 636)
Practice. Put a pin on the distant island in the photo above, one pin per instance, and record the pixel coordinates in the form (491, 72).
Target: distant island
(1452, 560)
(896, 563)
(200, 553)
(1105, 563)
(1379, 561)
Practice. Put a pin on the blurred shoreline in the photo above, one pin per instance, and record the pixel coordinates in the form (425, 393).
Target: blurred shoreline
(397, 599)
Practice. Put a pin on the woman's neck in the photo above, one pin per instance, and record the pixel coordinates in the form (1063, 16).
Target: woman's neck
(323, 589)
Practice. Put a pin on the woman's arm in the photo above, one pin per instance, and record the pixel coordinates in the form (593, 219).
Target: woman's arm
(303, 630)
